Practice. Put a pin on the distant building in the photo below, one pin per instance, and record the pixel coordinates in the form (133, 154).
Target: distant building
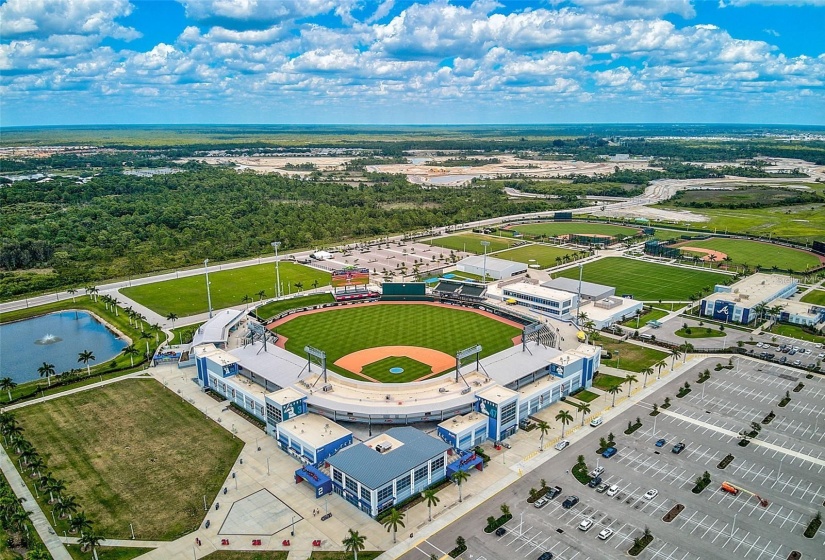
(589, 290)
(800, 313)
(497, 269)
(736, 303)
(558, 304)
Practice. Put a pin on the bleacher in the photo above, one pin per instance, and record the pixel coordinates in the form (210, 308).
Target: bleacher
(452, 289)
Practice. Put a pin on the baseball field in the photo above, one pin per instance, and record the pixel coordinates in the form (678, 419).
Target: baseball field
(752, 253)
(471, 243)
(420, 333)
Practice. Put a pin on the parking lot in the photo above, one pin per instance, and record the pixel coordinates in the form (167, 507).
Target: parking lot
(779, 476)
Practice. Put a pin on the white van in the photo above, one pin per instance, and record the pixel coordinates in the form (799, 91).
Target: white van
(596, 422)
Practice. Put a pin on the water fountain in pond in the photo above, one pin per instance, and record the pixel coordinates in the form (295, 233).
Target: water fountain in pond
(48, 339)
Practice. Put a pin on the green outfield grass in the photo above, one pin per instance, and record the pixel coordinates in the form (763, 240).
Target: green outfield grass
(652, 315)
(817, 297)
(343, 331)
(543, 255)
(471, 243)
(132, 452)
(647, 281)
(752, 253)
(554, 229)
(413, 369)
(187, 296)
(277, 307)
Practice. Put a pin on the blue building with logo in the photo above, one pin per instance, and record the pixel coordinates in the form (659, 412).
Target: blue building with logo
(738, 303)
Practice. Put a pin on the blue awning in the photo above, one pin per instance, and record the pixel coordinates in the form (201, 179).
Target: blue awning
(317, 479)
(466, 461)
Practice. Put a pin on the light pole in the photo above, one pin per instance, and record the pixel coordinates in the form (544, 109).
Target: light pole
(275, 245)
(485, 244)
(617, 359)
(579, 299)
(292, 532)
(208, 292)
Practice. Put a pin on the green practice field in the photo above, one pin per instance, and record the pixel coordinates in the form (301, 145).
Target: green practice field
(631, 357)
(187, 296)
(752, 253)
(343, 331)
(543, 255)
(647, 281)
(471, 243)
(132, 452)
(264, 312)
(554, 229)
(817, 297)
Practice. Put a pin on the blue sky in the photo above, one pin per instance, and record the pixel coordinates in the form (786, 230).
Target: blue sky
(411, 62)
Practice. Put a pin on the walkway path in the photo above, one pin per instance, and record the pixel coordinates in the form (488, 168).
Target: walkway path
(72, 391)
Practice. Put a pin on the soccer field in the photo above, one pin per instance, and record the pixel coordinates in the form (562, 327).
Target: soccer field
(752, 253)
(543, 255)
(562, 228)
(647, 281)
(187, 296)
(471, 243)
(345, 330)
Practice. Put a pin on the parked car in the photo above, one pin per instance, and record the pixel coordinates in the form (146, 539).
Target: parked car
(546, 556)
(661, 442)
(501, 531)
(602, 488)
(605, 534)
(613, 490)
(596, 422)
(797, 362)
(553, 492)
(595, 481)
(570, 502)
(609, 452)
(650, 494)
(561, 445)
(678, 448)
(541, 502)
(597, 471)
(585, 524)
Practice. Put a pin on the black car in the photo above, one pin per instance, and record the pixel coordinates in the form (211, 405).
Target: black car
(500, 532)
(546, 556)
(678, 448)
(570, 502)
(595, 481)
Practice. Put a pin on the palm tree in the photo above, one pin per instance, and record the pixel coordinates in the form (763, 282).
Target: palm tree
(131, 351)
(7, 384)
(686, 347)
(354, 543)
(37, 553)
(565, 418)
(630, 379)
(261, 295)
(615, 390)
(315, 283)
(55, 488)
(72, 292)
(646, 372)
(660, 365)
(46, 370)
(146, 336)
(246, 299)
(157, 329)
(90, 541)
(36, 464)
(86, 356)
(584, 408)
(172, 317)
(459, 477)
(299, 286)
(115, 303)
(543, 427)
(432, 500)
(66, 507)
(80, 523)
(675, 354)
(393, 521)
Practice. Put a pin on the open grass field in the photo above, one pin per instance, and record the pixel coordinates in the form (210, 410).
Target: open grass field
(652, 315)
(543, 255)
(132, 452)
(187, 296)
(752, 253)
(342, 331)
(554, 229)
(817, 297)
(631, 357)
(471, 243)
(107, 552)
(796, 222)
(795, 331)
(274, 308)
(646, 281)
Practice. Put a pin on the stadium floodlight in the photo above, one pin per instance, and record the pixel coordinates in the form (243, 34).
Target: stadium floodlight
(208, 292)
(485, 244)
(275, 245)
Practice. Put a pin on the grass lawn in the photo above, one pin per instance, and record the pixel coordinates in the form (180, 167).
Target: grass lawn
(328, 555)
(585, 396)
(274, 308)
(132, 452)
(647, 281)
(795, 331)
(248, 555)
(471, 243)
(344, 330)
(412, 369)
(554, 229)
(700, 332)
(184, 334)
(543, 255)
(107, 552)
(752, 253)
(652, 315)
(631, 357)
(605, 381)
(817, 297)
(187, 296)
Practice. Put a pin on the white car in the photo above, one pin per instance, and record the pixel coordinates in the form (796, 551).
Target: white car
(541, 502)
(759, 345)
(650, 494)
(585, 524)
(613, 490)
(605, 534)
(561, 445)
(596, 422)
(597, 471)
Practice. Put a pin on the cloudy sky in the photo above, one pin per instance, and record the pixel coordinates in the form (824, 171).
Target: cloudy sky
(403, 61)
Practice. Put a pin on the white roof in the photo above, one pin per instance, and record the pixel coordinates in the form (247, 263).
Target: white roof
(222, 357)
(796, 307)
(493, 263)
(461, 422)
(313, 429)
(496, 394)
(601, 314)
(285, 396)
(216, 329)
(754, 289)
(539, 291)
